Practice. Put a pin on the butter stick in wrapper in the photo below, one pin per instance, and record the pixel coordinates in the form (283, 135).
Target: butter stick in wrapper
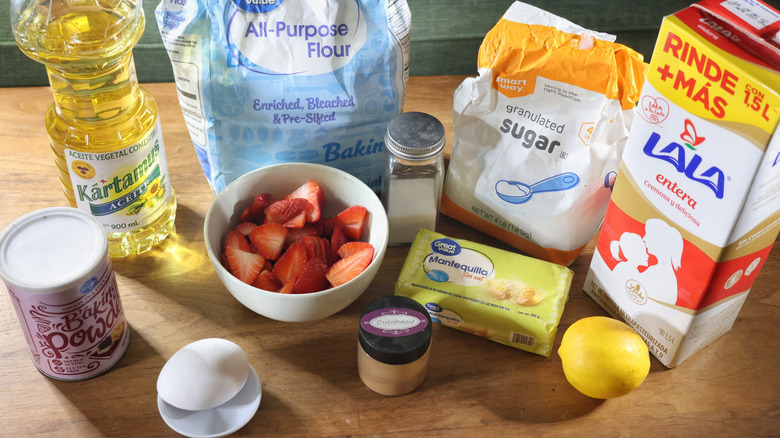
(500, 295)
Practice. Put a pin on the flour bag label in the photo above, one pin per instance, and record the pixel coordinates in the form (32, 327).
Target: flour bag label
(272, 81)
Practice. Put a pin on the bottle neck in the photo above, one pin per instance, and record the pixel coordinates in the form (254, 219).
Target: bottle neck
(95, 94)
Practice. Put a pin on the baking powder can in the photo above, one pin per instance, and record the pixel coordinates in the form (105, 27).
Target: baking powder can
(55, 265)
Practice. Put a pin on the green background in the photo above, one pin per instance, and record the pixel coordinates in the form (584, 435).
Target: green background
(446, 35)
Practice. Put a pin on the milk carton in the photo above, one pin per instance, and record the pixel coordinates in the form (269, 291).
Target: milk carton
(696, 205)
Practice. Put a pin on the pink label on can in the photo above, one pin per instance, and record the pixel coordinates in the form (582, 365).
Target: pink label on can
(76, 333)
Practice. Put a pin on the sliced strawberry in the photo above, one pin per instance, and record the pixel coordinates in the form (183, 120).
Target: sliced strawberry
(337, 238)
(348, 268)
(288, 246)
(286, 210)
(238, 240)
(324, 227)
(246, 214)
(291, 263)
(312, 277)
(287, 288)
(317, 247)
(299, 233)
(350, 248)
(352, 221)
(268, 239)
(296, 222)
(267, 280)
(311, 192)
(255, 212)
(246, 227)
(243, 265)
(224, 261)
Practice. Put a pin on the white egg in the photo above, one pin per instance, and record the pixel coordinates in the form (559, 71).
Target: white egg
(203, 374)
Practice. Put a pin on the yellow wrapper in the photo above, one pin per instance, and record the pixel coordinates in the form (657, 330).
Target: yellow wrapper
(500, 295)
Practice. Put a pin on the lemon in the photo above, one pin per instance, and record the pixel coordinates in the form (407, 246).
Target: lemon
(603, 357)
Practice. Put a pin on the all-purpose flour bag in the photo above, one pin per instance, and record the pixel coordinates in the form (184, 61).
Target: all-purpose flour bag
(264, 82)
(540, 132)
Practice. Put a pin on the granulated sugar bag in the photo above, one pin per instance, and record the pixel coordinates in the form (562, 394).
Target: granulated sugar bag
(540, 132)
(264, 82)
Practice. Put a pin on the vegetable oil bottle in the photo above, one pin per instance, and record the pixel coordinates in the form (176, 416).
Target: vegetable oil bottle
(103, 127)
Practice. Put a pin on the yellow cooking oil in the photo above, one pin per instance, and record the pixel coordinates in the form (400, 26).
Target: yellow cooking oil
(104, 128)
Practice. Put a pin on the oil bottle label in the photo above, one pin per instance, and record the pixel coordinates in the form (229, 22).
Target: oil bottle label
(124, 189)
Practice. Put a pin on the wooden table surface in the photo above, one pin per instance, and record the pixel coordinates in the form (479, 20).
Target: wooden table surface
(310, 384)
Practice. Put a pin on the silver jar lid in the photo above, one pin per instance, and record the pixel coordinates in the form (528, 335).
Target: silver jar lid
(415, 136)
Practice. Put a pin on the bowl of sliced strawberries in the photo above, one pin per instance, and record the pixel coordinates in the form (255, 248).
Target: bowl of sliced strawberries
(296, 241)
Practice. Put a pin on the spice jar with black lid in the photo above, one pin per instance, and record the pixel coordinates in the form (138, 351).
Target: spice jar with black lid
(394, 343)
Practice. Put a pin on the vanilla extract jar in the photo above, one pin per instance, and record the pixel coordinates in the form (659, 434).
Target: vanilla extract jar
(394, 345)
(414, 175)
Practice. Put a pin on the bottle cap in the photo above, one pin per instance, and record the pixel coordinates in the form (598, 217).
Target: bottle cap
(415, 136)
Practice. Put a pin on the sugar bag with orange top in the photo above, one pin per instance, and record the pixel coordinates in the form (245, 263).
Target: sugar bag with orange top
(539, 133)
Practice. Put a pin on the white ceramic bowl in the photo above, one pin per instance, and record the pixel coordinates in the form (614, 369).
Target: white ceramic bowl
(341, 191)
